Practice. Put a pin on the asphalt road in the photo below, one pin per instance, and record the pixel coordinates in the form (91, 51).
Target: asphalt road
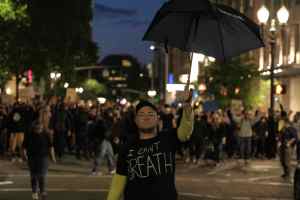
(70, 180)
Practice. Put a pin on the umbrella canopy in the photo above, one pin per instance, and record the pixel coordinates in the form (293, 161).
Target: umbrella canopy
(197, 26)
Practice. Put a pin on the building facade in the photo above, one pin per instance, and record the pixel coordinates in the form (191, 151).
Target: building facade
(287, 53)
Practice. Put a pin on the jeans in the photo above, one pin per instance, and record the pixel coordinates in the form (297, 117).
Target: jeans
(261, 147)
(285, 159)
(59, 144)
(245, 147)
(2, 142)
(105, 151)
(218, 150)
(298, 150)
(38, 171)
(81, 144)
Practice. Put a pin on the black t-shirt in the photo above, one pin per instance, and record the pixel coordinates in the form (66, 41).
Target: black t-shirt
(167, 120)
(150, 168)
(37, 145)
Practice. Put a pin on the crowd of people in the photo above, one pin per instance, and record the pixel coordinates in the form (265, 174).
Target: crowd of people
(95, 132)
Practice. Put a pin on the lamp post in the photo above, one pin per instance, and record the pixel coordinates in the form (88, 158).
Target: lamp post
(54, 76)
(263, 15)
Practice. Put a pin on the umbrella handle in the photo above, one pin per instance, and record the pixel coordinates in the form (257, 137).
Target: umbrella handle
(190, 69)
(190, 97)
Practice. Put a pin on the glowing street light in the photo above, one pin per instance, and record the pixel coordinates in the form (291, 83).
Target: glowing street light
(52, 75)
(211, 59)
(123, 101)
(152, 47)
(79, 90)
(151, 93)
(263, 15)
(8, 91)
(202, 87)
(55, 75)
(101, 100)
(66, 85)
(283, 15)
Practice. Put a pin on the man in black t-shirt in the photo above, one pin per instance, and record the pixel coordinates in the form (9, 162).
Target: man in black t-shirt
(146, 165)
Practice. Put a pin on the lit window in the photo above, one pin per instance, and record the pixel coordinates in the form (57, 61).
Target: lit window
(126, 63)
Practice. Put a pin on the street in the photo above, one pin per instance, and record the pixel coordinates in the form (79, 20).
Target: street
(71, 180)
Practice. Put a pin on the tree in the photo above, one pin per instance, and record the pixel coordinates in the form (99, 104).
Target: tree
(93, 89)
(14, 39)
(232, 80)
(62, 32)
(46, 35)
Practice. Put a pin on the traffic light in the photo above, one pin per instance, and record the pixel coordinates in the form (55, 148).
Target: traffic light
(280, 89)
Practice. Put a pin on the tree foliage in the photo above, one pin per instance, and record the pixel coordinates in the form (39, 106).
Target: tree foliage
(232, 80)
(62, 33)
(93, 89)
(46, 35)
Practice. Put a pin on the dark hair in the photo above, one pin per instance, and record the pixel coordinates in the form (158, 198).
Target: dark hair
(145, 104)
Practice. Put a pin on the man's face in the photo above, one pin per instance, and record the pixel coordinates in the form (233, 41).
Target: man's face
(146, 118)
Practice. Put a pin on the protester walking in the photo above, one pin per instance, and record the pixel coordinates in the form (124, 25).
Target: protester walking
(37, 146)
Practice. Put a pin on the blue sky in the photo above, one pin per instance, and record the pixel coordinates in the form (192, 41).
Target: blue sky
(119, 25)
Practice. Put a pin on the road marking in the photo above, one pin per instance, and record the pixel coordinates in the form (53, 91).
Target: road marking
(197, 180)
(224, 168)
(106, 190)
(199, 195)
(262, 178)
(6, 182)
(61, 176)
(260, 167)
(275, 183)
(241, 198)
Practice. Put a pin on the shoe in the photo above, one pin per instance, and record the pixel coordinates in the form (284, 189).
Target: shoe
(43, 196)
(187, 160)
(35, 196)
(94, 173)
(199, 162)
(112, 172)
(194, 161)
(285, 176)
(20, 160)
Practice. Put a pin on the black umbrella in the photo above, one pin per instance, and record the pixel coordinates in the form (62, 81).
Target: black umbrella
(215, 30)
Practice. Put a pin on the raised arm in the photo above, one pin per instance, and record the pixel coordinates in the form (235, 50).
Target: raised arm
(185, 128)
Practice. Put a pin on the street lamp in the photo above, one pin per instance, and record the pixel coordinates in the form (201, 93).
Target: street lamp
(54, 76)
(123, 101)
(282, 17)
(263, 15)
(151, 93)
(152, 47)
(79, 90)
(101, 100)
(66, 85)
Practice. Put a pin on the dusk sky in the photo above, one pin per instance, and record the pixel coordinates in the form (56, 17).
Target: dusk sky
(119, 26)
